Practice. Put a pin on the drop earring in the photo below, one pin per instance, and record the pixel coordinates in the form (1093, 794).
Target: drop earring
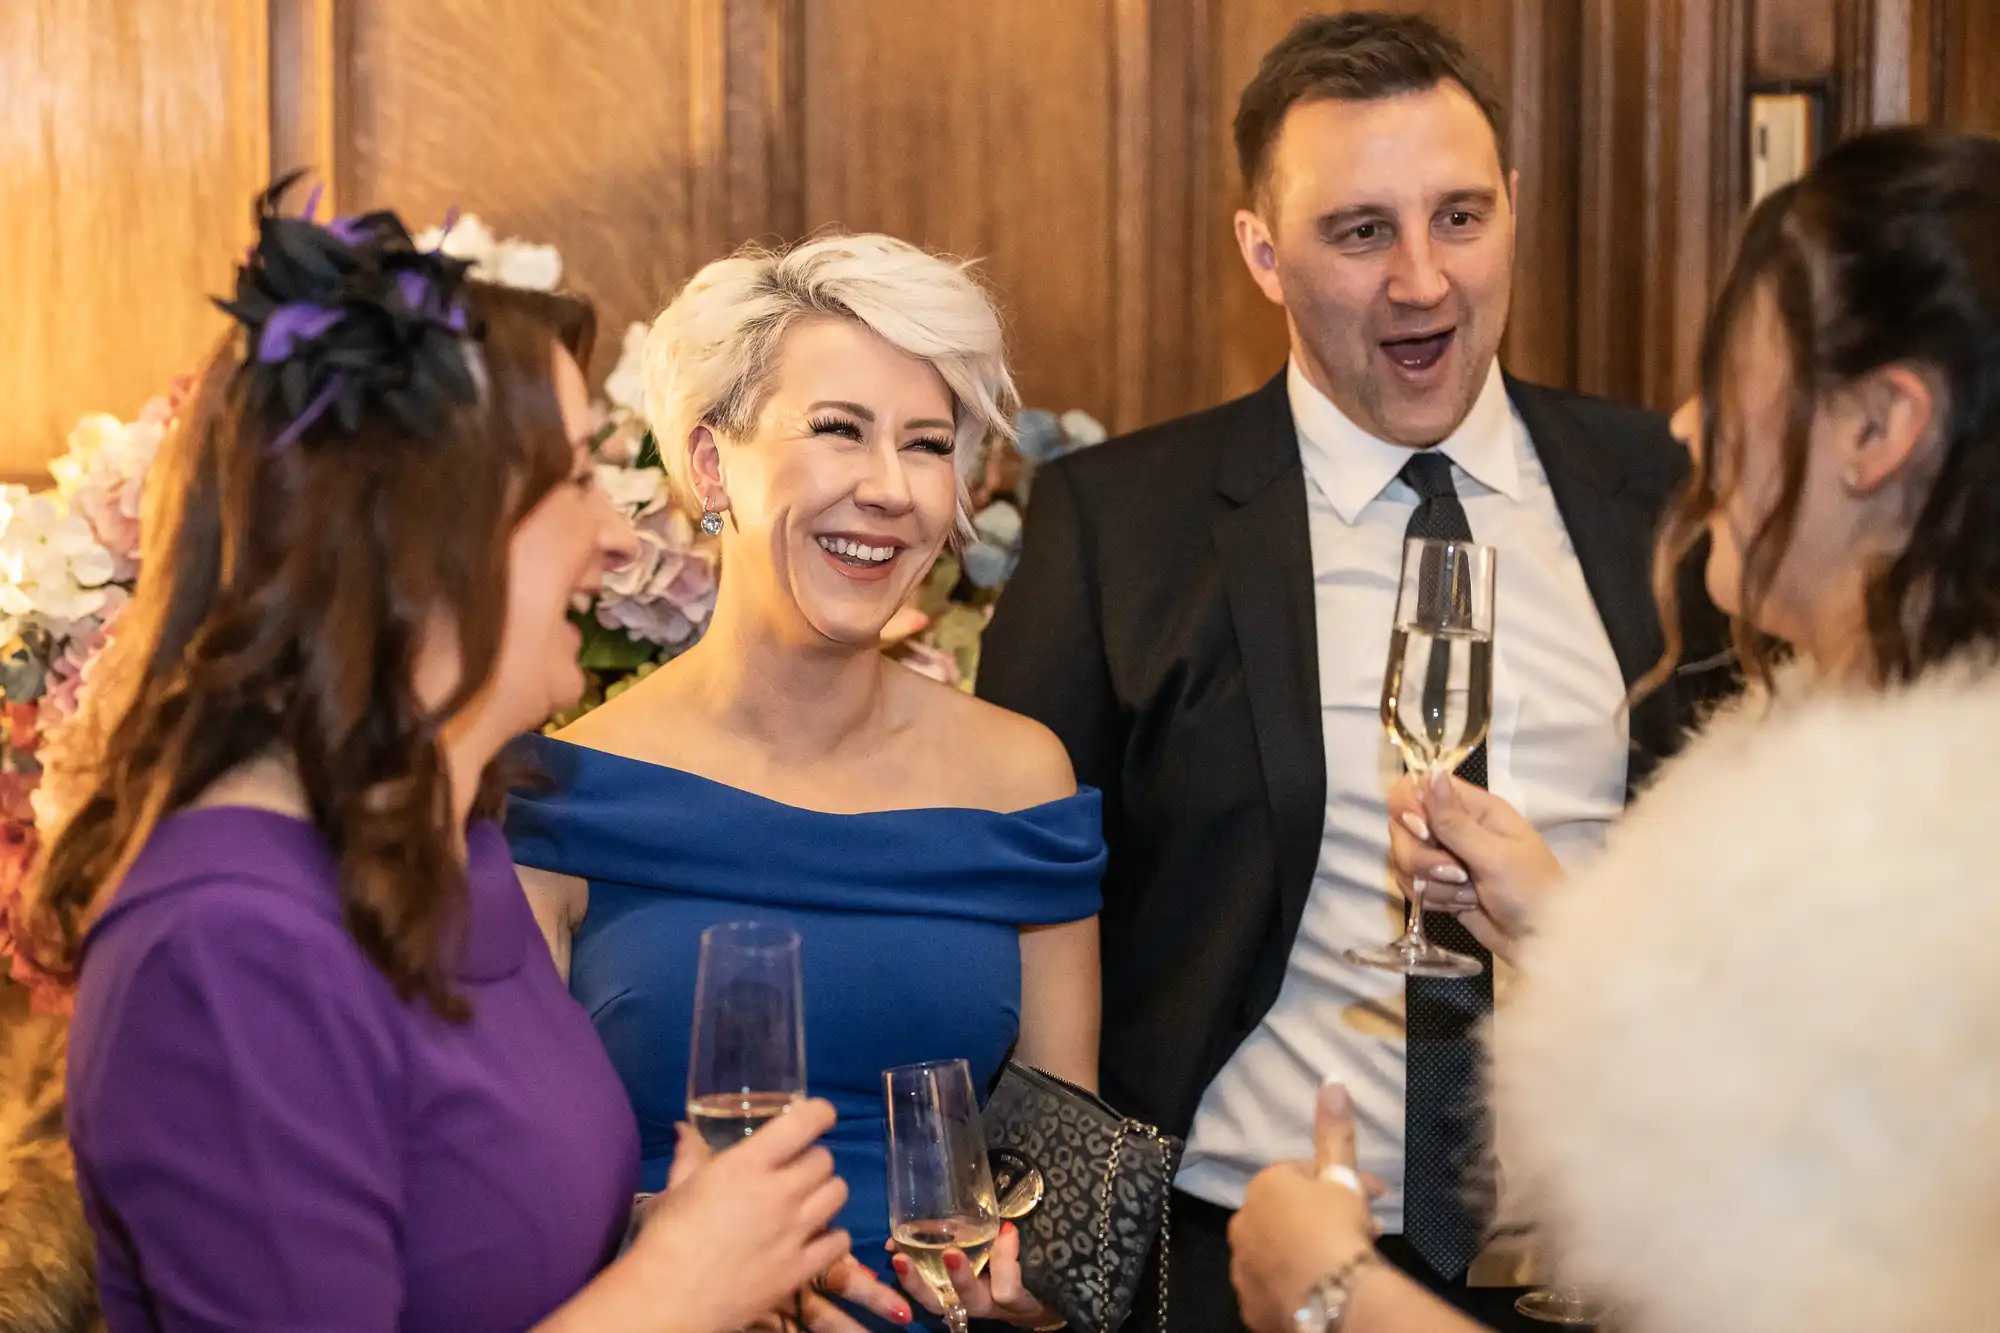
(711, 522)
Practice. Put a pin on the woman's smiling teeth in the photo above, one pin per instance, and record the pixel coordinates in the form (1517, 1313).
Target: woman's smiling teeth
(856, 553)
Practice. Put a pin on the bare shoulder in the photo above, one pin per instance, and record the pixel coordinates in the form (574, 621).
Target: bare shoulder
(1019, 762)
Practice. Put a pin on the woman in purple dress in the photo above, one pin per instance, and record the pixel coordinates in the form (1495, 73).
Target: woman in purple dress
(323, 1076)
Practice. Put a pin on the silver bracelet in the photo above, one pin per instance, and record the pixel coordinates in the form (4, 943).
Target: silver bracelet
(1325, 1306)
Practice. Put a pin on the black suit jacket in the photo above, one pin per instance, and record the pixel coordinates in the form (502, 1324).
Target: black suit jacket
(1162, 624)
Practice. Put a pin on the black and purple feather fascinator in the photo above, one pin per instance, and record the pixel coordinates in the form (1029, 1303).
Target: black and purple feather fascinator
(347, 319)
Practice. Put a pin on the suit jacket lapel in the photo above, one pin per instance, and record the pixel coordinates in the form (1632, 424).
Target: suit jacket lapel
(1265, 553)
(1611, 526)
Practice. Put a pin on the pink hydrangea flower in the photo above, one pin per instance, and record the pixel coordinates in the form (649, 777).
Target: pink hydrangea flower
(69, 670)
(665, 592)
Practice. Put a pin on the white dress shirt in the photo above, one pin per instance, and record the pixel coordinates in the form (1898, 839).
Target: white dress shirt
(1556, 751)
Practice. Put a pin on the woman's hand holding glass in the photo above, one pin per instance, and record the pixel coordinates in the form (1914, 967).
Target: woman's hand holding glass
(809, 1304)
(995, 1293)
(736, 1234)
(1477, 856)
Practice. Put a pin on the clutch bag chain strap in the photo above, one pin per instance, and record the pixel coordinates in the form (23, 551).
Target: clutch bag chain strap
(1126, 1128)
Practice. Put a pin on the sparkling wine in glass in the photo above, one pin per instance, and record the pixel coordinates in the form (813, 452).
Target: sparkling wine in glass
(747, 1050)
(1437, 701)
(940, 1185)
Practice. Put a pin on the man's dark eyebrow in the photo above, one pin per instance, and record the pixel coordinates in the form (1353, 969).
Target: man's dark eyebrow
(1474, 196)
(1342, 218)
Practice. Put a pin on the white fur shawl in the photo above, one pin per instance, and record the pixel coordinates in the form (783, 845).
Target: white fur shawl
(1750, 1079)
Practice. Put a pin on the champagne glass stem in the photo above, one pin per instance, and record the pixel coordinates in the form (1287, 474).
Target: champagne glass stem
(1414, 926)
(956, 1319)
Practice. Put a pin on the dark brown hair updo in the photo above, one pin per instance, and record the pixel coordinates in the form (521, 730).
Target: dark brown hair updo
(287, 586)
(1888, 251)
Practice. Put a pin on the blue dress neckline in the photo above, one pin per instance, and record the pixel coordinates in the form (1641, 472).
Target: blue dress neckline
(610, 818)
(548, 745)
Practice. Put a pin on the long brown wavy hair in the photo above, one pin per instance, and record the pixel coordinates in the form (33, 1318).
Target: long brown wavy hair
(1887, 251)
(281, 606)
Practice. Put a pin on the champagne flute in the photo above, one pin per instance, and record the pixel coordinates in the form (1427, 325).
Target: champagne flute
(1562, 1304)
(1437, 699)
(747, 1049)
(940, 1185)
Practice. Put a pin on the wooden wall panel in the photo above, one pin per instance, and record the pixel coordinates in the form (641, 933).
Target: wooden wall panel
(986, 130)
(132, 140)
(1967, 60)
(1080, 148)
(1661, 188)
(593, 128)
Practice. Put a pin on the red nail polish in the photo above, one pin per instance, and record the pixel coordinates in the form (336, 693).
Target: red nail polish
(953, 1260)
(901, 1265)
(1006, 1228)
(902, 1314)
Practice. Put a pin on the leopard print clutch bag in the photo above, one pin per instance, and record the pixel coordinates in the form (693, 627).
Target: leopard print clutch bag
(1088, 1190)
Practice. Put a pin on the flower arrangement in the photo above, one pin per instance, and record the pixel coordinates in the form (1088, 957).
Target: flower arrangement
(69, 558)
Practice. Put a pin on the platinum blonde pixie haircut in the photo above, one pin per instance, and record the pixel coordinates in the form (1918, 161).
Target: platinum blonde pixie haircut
(711, 357)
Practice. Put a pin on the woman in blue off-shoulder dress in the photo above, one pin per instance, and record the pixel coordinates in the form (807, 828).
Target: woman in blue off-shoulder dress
(822, 407)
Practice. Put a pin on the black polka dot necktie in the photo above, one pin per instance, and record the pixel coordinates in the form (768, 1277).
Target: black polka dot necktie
(1443, 1127)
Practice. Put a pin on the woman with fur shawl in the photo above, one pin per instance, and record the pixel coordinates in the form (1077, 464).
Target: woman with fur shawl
(1746, 1082)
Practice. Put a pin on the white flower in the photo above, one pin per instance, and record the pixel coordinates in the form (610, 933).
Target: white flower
(1082, 428)
(633, 490)
(94, 432)
(626, 387)
(469, 238)
(535, 268)
(52, 568)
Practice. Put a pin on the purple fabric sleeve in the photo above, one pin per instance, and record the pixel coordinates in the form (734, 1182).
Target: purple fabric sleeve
(247, 1100)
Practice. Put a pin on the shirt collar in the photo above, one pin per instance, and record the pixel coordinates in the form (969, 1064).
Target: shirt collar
(1352, 467)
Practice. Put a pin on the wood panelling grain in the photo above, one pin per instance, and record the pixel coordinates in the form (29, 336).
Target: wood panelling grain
(1968, 64)
(309, 64)
(589, 127)
(1542, 99)
(1793, 41)
(986, 130)
(1132, 317)
(132, 140)
(1661, 187)
(1184, 183)
(1529, 48)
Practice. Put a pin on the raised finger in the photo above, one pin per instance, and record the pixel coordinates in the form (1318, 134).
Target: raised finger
(1333, 1129)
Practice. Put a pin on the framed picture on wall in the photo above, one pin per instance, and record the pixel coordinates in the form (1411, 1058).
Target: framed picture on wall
(1784, 136)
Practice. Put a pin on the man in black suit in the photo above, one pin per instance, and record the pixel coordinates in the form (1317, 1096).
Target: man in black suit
(1202, 613)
